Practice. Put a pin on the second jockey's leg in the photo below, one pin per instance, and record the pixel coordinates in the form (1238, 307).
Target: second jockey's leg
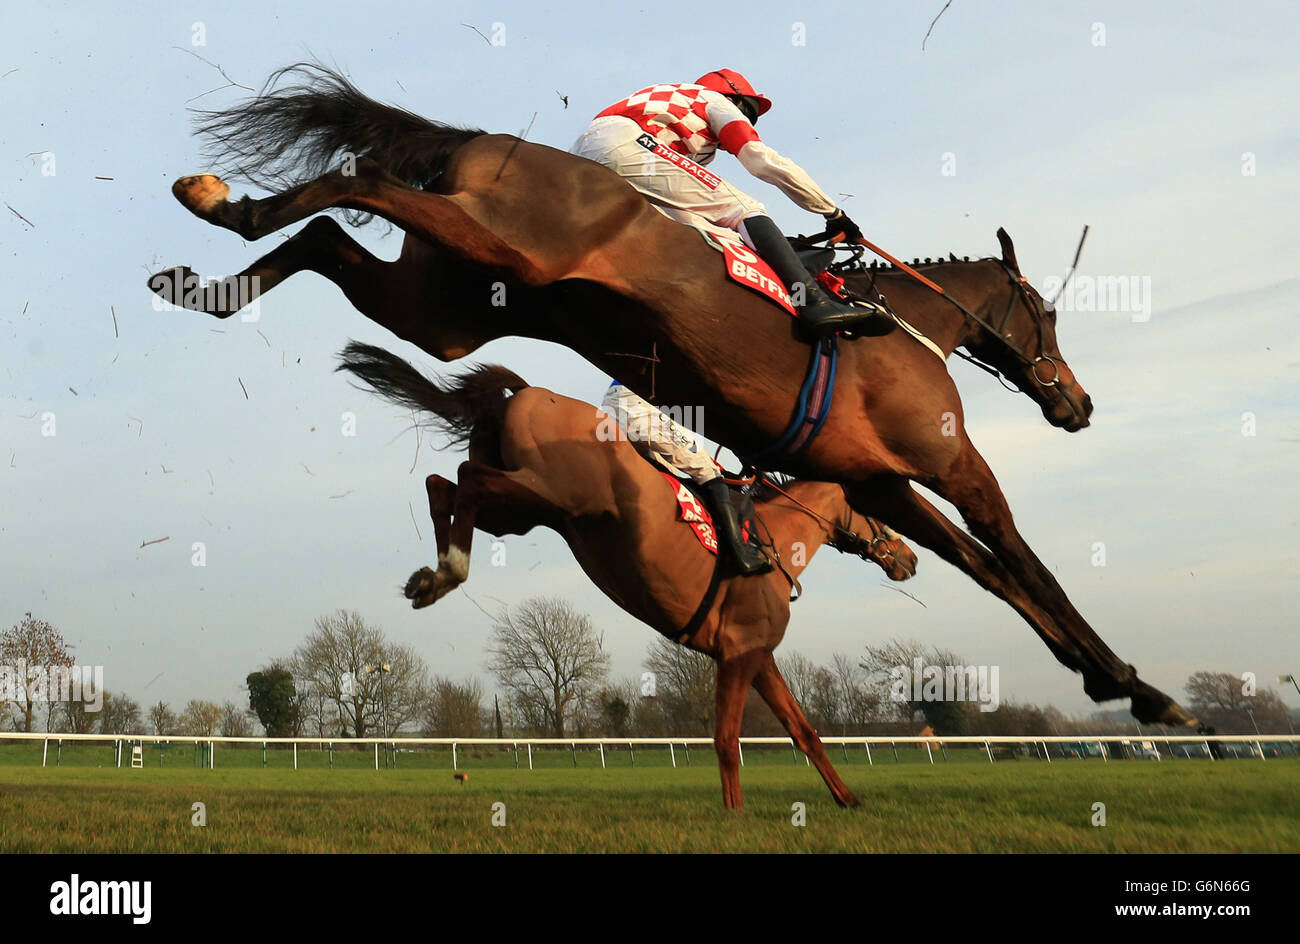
(653, 432)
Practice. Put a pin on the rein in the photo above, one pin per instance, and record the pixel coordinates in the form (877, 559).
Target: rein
(1020, 291)
(838, 534)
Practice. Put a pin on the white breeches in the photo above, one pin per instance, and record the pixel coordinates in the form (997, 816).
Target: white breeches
(655, 433)
(682, 196)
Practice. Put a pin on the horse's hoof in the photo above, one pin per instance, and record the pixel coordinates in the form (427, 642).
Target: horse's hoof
(171, 284)
(1152, 706)
(419, 585)
(200, 193)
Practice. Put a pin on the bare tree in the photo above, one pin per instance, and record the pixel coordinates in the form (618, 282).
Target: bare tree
(28, 651)
(453, 709)
(201, 718)
(372, 683)
(549, 659)
(75, 717)
(815, 688)
(898, 657)
(1014, 718)
(860, 702)
(162, 720)
(319, 712)
(120, 715)
(1220, 699)
(234, 721)
(684, 683)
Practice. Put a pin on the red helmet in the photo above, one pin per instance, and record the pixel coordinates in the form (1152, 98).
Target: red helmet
(731, 82)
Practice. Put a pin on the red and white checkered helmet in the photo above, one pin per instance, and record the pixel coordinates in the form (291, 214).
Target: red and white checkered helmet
(731, 82)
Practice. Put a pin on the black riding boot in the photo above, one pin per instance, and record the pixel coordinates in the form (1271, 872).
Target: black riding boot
(823, 313)
(727, 522)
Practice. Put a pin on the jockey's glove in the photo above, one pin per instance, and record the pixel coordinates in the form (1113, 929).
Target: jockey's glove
(839, 222)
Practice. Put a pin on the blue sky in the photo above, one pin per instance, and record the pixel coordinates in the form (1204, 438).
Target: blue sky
(1145, 138)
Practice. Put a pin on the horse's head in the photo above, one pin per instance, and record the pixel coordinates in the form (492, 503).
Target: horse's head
(1019, 339)
(882, 545)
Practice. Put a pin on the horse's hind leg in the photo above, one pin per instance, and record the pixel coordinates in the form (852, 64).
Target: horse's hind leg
(206, 196)
(894, 500)
(499, 223)
(771, 686)
(321, 246)
(970, 485)
(442, 501)
(402, 296)
(518, 501)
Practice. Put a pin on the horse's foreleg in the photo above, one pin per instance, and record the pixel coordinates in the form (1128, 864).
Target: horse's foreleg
(517, 499)
(734, 678)
(773, 689)
(895, 501)
(970, 485)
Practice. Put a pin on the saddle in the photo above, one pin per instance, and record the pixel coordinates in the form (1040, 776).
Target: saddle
(746, 268)
(692, 509)
(816, 261)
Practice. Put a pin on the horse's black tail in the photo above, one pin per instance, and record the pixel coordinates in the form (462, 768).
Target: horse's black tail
(308, 118)
(477, 395)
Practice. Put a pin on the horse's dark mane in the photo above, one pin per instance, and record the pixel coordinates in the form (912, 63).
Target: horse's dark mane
(473, 397)
(856, 266)
(295, 131)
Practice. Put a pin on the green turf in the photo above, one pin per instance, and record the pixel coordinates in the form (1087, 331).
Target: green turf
(962, 806)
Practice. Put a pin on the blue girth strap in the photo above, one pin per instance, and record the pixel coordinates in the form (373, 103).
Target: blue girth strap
(811, 410)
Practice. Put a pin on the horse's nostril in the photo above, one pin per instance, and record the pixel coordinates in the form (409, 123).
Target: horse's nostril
(1087, 406)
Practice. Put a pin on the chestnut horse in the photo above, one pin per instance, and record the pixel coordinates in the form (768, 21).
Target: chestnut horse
(505, 237)
(538, 459)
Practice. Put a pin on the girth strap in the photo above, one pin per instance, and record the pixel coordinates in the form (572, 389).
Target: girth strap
(706, 604)
(811, 409)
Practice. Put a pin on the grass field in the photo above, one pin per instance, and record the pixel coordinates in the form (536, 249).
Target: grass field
(964, 805)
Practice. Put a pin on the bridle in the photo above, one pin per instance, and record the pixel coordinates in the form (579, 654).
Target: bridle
(843, 539)
(1038, 315)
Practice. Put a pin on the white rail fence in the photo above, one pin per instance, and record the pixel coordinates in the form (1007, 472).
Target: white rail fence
(1141, 745)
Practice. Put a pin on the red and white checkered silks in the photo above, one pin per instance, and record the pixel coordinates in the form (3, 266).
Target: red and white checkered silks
(690, 119)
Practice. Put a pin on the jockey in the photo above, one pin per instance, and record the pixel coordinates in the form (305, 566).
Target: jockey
(650, 430)
(658, 140)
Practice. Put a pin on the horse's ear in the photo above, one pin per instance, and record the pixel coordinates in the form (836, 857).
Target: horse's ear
(1008, 250)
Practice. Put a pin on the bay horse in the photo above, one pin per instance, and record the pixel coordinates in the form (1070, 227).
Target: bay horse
(506, 237)
(539, 459)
